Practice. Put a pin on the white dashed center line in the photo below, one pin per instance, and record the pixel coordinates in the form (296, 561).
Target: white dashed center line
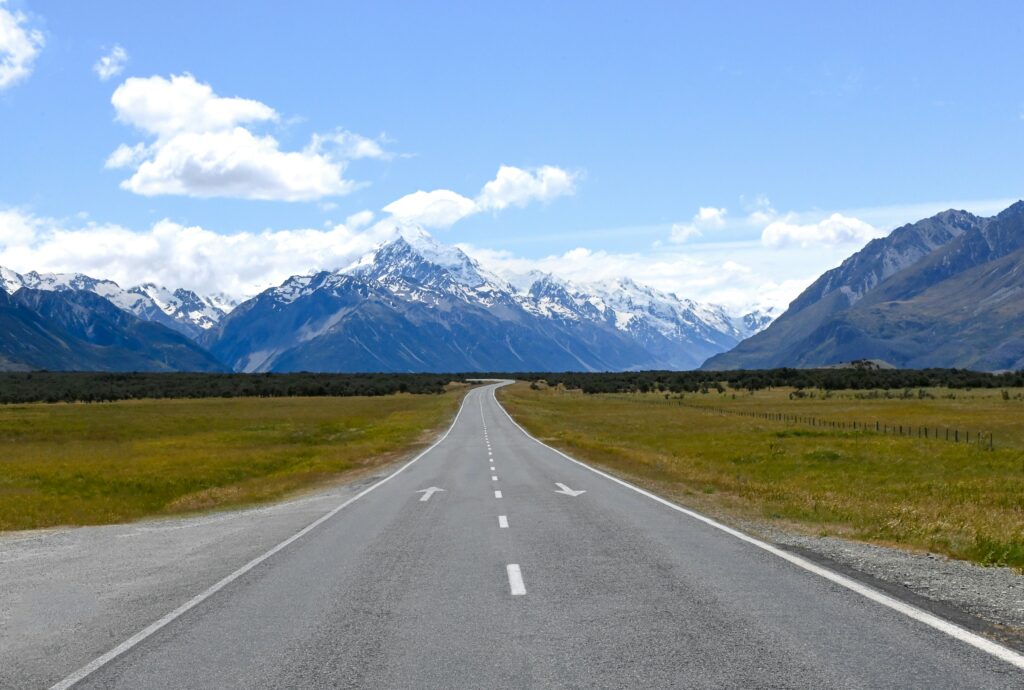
(503, 521)
(497, 494)
(515, 580)
(494, 477)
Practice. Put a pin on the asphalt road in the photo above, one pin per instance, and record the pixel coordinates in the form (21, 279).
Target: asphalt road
(508, 577)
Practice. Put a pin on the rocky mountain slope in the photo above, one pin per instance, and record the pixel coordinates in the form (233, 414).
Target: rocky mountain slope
(181, 310)
(79, 330)
(943, 292)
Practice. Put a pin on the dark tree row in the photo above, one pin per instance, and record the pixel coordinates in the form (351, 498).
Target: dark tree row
(42, 386)
(828, 379)
(99, 387)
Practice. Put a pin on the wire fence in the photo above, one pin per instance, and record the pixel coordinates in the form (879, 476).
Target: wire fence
(983, 439)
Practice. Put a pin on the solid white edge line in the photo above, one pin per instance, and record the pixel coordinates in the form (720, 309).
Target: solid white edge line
(153, 627)
(503, 521)
(515, 580)
(920, 615)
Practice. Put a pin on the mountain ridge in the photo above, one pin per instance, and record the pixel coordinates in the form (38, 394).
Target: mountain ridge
(931, 294)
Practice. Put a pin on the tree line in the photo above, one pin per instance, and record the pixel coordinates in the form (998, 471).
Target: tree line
(45, 386)
(751, 380)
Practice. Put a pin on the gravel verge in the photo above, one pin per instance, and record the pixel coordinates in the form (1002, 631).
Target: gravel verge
(994, 595)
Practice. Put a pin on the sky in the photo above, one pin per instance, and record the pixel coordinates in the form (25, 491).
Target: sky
(727, 151)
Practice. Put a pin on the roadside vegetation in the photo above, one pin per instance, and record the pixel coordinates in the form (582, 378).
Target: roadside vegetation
(85, 464)
(77, 386)
(733, 454)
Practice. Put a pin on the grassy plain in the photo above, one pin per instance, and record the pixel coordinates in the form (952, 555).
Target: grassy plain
(77, 464)
(957, 499)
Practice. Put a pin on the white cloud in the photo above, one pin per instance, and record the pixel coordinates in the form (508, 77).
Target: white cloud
(835, 229)
(239, 264)
(350, 146)
(238, 164)
(111, 64)
(681, 232)
(18, 228)
(517, 187)
(125, 156)
(738, 276)
(19, 46)
(710, 216)
(359, 220)
(706, 218)
(442, 208)
(167, 107)
(203, 148)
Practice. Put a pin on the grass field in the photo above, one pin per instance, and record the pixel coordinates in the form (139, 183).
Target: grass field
(957, 499)
(78, 464)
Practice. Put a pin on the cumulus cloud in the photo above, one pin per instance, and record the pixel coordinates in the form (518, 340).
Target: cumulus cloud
(19, 46)
(111, 64)
(168, 253)
(203, 146)
(517, 187)
(442, 208)
(835, 229)
(359, 220)
(707, 217)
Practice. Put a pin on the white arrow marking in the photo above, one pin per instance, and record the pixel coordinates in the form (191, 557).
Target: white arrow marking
(563, 489)
(427, 493)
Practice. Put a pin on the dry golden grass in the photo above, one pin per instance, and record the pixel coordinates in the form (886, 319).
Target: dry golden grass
(957, 499)
(76, 464)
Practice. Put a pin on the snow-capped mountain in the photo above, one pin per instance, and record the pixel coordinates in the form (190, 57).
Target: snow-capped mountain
(416, 304)
(181, 310)
(756, 321)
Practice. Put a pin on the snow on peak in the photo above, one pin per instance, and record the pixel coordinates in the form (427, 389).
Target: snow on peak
(414, 265)
(10, 282)
(147, 301)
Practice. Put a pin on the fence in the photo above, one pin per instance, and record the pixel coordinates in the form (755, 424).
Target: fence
(981, 438)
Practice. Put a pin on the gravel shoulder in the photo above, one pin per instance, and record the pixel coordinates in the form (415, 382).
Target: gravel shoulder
(993, 596)
(70, 595)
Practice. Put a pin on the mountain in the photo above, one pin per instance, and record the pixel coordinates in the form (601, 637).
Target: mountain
(943, 292)
(679, 333)
(414, 304)
(756, 321)
(79, 330)
(181, 310)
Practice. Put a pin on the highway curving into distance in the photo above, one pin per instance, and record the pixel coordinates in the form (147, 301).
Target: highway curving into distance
(493, 561)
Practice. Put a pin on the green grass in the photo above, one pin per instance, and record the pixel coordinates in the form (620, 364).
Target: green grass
(956, 499)
(78, 464)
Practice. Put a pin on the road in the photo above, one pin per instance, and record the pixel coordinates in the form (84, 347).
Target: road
(493, 561)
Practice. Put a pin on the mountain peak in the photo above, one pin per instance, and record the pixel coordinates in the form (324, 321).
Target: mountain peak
(413, 254)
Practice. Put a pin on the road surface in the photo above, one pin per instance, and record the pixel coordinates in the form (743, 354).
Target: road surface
(492, 561)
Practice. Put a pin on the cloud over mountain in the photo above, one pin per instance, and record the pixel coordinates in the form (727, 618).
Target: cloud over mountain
(204, 145)
(512, 186)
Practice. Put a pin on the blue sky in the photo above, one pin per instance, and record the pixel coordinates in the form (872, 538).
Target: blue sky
(781, 113)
